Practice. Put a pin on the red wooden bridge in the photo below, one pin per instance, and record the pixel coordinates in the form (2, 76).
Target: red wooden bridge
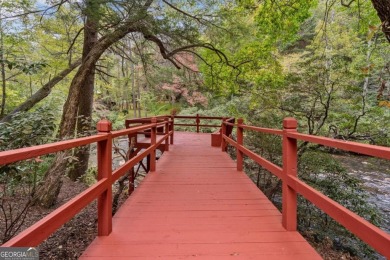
(196, 201)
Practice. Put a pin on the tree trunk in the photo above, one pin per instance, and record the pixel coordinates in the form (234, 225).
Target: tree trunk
(3, 79)
(85, 102)
(138, 92)
(132, 68)
(41, 93)
(382, 8)
(47, 192)
(69, 115)
(68, 120)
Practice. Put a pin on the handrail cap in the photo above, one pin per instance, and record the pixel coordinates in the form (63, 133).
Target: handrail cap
(104, 125)
(290, 123)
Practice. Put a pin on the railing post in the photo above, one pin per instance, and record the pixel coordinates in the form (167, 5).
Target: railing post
(153, 143)
(131, 171)
(223, 132)
(289, 195)
(240, 141)
(104, 157)
(172, 127)
(166, 134)
(197, 123)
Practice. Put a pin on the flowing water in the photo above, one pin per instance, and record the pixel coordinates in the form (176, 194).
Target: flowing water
(375, 176)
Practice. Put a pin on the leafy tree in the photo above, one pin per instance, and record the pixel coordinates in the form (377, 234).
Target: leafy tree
(172, 27)
(36, 48)
(252, 66)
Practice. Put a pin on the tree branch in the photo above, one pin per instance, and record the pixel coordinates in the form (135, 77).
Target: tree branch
(162, 48)
(41, 93)
(74, 40)
(58, 5)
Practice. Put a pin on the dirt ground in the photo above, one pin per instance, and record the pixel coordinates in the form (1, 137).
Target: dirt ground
(71, 239)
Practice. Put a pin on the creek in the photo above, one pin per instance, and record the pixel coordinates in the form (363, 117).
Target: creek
(375, 176)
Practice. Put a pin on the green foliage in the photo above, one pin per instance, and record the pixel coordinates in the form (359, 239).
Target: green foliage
(327, 89)
(319, 169)
(324, 173)
(36, 48)
(224, 108)
(252, 66)
(19, 180)
(279, 21)
(26, 68)
(28, 129)
(150, 103)
(89, 178)
(116, 118)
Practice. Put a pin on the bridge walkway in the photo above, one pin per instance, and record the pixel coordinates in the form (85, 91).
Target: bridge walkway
(198, 205)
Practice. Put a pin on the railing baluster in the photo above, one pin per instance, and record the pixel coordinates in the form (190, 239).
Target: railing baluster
(104, 157)
(197, 123)
(289, 195)
(166, 134)
(240, 141)
(172, 127)
(223, 132)
(153, 143)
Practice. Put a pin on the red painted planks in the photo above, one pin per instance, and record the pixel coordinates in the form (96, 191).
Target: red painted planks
(261, 250)
(198, 205)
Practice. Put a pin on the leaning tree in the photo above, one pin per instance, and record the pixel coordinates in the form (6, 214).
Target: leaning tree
(172, 27)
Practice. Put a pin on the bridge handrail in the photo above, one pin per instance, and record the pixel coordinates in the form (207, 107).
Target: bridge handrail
(35, 234)
(102, 190)
(369, 233)
(197, 119)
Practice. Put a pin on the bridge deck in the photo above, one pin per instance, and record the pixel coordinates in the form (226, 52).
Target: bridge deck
(197, 205)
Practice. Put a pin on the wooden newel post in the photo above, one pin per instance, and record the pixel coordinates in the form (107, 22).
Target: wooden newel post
(172, 128)
(166, 134)
(197, 123)
(240, 141)
(289, 195)
(153, 143)
(104, 157)
(223, 132)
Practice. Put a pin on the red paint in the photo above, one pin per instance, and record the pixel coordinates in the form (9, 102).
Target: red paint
(375, 237)
(11, 156)
(42, 229)
(200, 190)
(223, 133)
(104, 126)
(166, 132)
(366, 149)
(289, 195)
(263, 130)
(363, 229)
(38, 232)
(240, 141)
(197, 123)
(153, 144)
(104, 155)
(172, 128)
(274, 169)
(198, 204)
